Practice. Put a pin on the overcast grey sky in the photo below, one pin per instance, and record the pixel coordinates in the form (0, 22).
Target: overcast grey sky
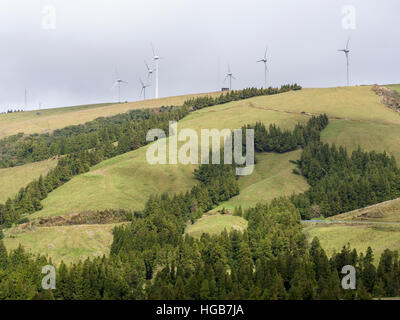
(74, 63)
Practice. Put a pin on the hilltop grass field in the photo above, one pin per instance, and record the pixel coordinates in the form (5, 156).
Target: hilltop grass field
(64, 243)
(333, 237)
(123, 182)
(272, 178)
(215, 224)
(388, 211)
(50, 119)
(15, 178)
(357, 118)
(394, 87)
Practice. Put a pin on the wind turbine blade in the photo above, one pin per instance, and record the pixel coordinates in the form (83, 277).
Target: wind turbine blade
(152, 48)
(226, 78)
(233, 77)
(260, 60)
(347, 45)
(265, 54)
(141, 82)
(116, 73)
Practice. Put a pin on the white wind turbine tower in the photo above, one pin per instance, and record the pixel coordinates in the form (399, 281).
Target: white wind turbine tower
(346, 52)
(118, 83)
(156, 59)
(143, 91)
(264, 60)
(230, 76)
(149, 72)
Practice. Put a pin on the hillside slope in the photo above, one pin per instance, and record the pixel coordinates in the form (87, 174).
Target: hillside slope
(356, 118)
(15, 178)
(50, 119)
(127, 181)
(388, 211)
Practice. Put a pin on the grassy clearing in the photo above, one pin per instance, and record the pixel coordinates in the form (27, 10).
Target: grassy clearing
(272, 178)
(124, 182)
(388, 211)
(13, 179)
(334, 237)
(57, 118)
(369, 135)
(351, 103)
(215, 224)
(394, 87)
(67, 243)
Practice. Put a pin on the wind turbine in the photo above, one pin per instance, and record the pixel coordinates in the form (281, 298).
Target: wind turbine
(118, 83)
(156, 59)
(143, 91)
(230, 76)
(149, 71)
(346, 52)
(264, 60)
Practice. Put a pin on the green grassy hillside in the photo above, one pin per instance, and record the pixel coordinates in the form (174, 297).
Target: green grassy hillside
(272, 178)
(369, 135)
(356, 118)
(57, 118)
(127, 181)
(394, 87)
(334, 237)
(67, 243)
(124, 182)
(13, 179)
(215, 224)
(388, 211)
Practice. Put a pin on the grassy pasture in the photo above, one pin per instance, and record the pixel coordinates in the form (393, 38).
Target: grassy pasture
(57, 118)
(215, 224)
(369, 135)
(349, 103)
(334, 237)
(394, 87)
(13, 179)
(67, 243)
(388, 211)
(272, 178)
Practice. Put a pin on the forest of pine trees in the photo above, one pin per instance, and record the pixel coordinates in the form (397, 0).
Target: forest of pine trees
(151, 259)
(341, 182)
